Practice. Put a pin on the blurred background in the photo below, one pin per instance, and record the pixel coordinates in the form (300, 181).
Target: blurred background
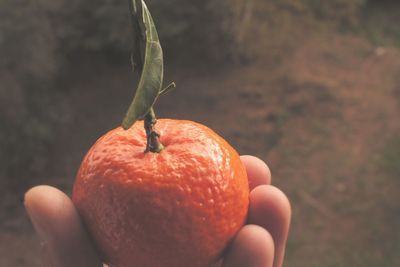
(311, 87)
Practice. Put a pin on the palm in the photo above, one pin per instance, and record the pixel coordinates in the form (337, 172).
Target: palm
(259, 243)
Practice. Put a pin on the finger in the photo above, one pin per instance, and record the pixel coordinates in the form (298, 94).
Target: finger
(252, 247)
(56, 221)
(270, 208)
(258, 172)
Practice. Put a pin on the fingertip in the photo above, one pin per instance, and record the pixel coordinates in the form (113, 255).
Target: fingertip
(267, 199)
(257, 170)
(253, 246)
(36, 200)
(270, 208)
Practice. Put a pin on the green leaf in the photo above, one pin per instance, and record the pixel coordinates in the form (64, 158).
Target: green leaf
(152, 71)
(139, 36)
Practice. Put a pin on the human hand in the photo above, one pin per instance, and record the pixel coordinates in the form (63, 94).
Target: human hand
(260, 243)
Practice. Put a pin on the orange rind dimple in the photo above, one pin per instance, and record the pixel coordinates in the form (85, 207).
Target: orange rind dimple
(180, 207)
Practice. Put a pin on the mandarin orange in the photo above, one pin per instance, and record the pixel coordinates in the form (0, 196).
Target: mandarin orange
(177, 208)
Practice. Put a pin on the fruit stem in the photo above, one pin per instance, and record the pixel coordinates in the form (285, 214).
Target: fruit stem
(153, 143)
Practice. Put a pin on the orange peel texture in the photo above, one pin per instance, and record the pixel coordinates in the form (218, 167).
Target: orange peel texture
(177, 208)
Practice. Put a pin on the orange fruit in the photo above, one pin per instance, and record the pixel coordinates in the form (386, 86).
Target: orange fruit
(177, 208)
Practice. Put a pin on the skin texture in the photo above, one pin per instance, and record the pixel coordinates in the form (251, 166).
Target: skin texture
(65, 242)
(180, 207)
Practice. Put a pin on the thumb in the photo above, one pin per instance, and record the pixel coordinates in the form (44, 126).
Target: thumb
(63, 238)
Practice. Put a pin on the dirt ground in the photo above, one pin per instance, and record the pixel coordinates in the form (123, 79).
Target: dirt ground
(321, 118)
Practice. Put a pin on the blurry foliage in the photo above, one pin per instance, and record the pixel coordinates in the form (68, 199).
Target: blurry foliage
(342, 11)
(285, 23)
(28, 45)
(209, 28)
(29, 102)
(379, 22)
(36, 36)
(390, 161)
(185, 27)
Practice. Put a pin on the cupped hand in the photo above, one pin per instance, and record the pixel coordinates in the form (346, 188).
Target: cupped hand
(260, 243)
